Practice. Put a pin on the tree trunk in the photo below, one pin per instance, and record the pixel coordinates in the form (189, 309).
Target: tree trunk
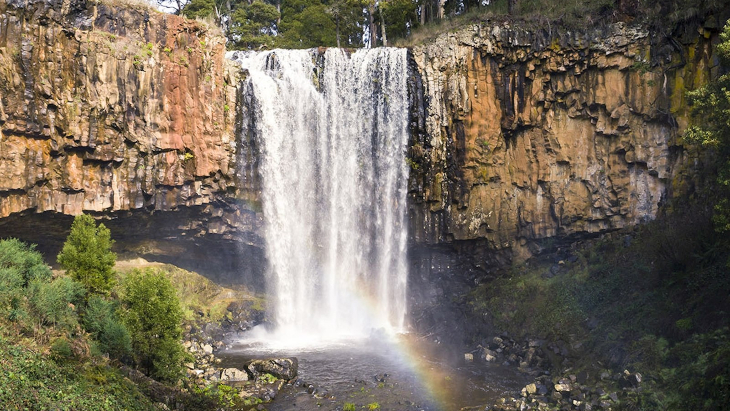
(511, 7)
(373, 33)
(337, 28)
(382, 29)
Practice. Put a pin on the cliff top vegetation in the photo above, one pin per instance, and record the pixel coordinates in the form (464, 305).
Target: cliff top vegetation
(262, 24)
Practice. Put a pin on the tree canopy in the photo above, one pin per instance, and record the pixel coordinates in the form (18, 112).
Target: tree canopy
(87, 255)
(255, 24)
(307, 23)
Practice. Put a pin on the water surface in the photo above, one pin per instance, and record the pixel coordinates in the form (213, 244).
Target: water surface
(397, 373)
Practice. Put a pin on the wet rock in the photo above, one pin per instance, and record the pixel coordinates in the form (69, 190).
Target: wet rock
(233, 374)
(529, 389)
(283, 368)
(629, 380)
(469, 357)
(488, 355)
(381, 378)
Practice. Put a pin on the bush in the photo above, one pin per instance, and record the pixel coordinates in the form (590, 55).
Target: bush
(61, 350)
(23, 260)
(20, 265)
(102, 322)
(11, 293)
(87, 255)
(152, 314)
(53, 303)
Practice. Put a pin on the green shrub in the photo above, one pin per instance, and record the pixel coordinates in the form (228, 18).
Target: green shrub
(53, 303)
(87, 255)
(20, 265)
(102, 322)
(152, 314)
(24, 259)
(11, 292)
(61, 350)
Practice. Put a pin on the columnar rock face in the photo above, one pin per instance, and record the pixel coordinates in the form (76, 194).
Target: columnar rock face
(128, 113)
(524, 135)
(106, 108)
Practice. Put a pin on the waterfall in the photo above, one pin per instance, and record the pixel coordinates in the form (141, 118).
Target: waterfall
(332, 132)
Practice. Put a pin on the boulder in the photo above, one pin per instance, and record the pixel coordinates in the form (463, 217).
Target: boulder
(283, 368)
(233, 374)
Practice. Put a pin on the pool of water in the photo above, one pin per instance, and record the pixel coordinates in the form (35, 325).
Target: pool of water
(400, 372)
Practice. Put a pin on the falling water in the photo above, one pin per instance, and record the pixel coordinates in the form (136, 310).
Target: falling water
(332, 132)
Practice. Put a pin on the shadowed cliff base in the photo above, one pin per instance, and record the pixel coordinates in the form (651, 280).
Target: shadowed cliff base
(172, 237)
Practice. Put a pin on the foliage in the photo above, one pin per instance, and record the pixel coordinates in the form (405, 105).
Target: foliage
(348, 406)
(653, 299)
(102, 322)
(61, 349)
(152, 314)
(399, 17)
(87, 255)
(305, 24)
(711, 106)
(19, 265)
(53, 303)
(700, 368)
(218, 396)
(29, 295)
(31, 381)
(253, 24)
(23, 260)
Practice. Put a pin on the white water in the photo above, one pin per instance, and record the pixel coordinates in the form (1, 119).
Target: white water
(332, 134)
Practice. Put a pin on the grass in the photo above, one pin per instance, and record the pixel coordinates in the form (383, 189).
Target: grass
(31, 380)
(199, 296)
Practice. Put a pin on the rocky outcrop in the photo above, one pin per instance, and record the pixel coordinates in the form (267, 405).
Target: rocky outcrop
(107, 109)
(523, 135)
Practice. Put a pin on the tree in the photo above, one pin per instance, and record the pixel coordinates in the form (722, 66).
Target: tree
(172, 6)
(348, 18)
(253, 25)
(87, 257)
(398, 18)
(711, 104)
(306, 24)
(511, 7)
(152, 313)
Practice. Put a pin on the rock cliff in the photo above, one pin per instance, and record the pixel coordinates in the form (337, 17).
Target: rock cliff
(531, 139)
(522, 135)
(120, 111)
